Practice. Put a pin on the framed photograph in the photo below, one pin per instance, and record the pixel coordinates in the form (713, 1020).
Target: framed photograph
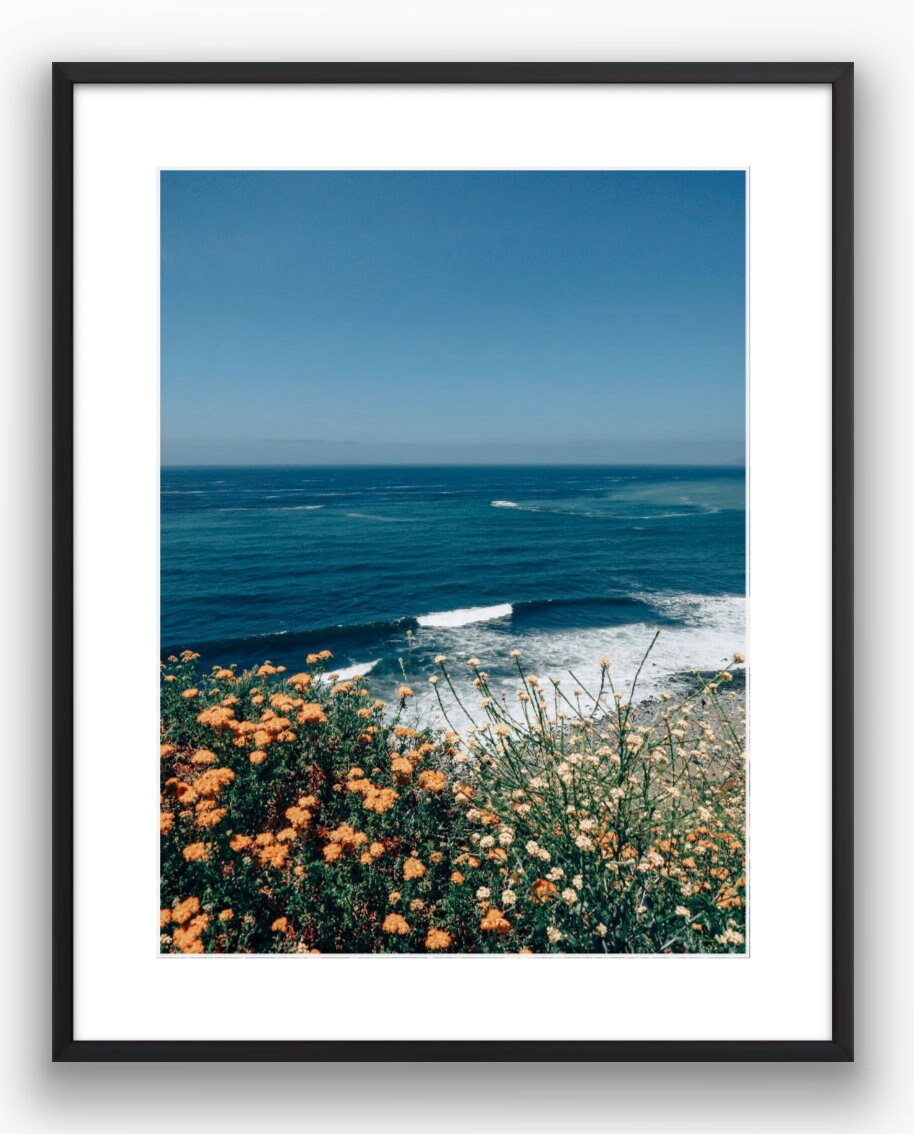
(452, 562)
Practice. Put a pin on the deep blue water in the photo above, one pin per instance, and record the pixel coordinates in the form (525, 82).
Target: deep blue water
(567, 564)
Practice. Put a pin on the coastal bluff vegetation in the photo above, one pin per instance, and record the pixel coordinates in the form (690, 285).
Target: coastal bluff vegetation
(300, 814)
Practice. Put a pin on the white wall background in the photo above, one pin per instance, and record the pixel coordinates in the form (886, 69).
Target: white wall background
(874, 1093)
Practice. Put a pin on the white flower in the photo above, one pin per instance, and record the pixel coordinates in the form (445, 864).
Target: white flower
(533, 848)
(483, 892)
(555, 874)
(544, 855)
(584, 842)
(508, 897)
(554, 935)
(601, 930)
(569, 895)
(473, 663)
(487, 841)
(577, 882)
(433, 680)
(440, 659)
(681, 911)
(524, 809)
(506, 837)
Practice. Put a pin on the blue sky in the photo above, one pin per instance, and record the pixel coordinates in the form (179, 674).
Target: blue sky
(453, 317)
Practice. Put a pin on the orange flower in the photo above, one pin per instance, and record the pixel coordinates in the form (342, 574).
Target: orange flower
(332, 851)
(376, 850)
(433, 781)
(196, 852)
(213, 781)
(164, 918)
(543, 890)
(298, 816)
(165, 750)
(227, 915)
(187, 938)
(280, 925)
(274, 855)
(457, 878)
(413, 868)
(203, 756)
(166, 822)
(217, 717)
(185, 910)
(286, 835)
(394, 923)
(401, 767)
(494, 921)
(437, 939)
(224, 675)
(311, 714)
(300, 681)
(210, 817)
(240, 842)
(257, 756)
(379, 800)
(189, 694)
(403, 692)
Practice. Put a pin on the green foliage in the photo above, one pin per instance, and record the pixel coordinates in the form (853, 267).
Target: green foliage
(302, 815)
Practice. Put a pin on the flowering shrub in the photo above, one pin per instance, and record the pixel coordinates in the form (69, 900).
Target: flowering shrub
(299, 815)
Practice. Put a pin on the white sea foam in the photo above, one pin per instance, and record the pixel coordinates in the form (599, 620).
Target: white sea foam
(296, 507)
(504, 504)
(357, 670)
(451, 619)
(711, 628)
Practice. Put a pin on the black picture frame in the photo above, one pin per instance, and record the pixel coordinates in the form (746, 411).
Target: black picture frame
(839, 1048)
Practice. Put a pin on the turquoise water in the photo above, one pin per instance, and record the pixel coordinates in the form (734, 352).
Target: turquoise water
(566, 564)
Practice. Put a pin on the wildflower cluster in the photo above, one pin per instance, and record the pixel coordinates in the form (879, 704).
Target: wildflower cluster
(300, 814)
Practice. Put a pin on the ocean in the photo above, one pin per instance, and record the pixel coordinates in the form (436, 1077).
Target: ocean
(567, 565)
